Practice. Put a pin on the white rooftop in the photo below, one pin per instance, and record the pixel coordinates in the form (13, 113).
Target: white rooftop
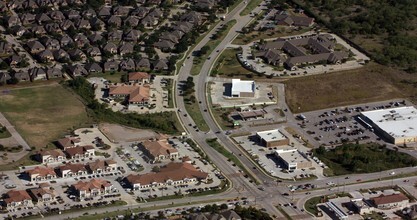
(239, 86)
(397, 122)
(271, 135)
(291, 156)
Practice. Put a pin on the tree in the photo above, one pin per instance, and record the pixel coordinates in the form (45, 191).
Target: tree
(204, 50)
(156, 169)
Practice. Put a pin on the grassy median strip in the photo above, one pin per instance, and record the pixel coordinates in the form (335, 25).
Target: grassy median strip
(230, 156)
(250, 6)
(216, 39)
(311, 205)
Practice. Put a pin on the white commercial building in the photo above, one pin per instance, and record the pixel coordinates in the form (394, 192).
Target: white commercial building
(242, 88)
(398, 125)
(293, 159)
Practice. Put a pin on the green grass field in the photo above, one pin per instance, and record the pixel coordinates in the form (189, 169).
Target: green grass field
(311, 205)
(228, 65)
(250, 6)
(43, 114)
(4, 133)
(113, 77)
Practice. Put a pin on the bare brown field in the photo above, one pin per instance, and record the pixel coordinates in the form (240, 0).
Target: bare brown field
(371, 83)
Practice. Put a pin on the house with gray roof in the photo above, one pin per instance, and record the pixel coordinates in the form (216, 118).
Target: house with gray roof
(125, 48)
(37, 74)
(111, 66)
(93, 51)
(21, 76)
(93, 68)
(127, 65)
(143, 64)
(35, 47)
(52, 73)
(131, 35)
(4, 77)
(77, 70)
(159, 65)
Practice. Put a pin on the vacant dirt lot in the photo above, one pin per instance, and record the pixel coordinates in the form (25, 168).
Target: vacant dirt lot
(42, 114)
(371, 83)
(118, 133)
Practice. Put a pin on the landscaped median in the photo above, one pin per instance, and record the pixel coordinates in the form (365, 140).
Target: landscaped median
(230, 157)
(216, 39)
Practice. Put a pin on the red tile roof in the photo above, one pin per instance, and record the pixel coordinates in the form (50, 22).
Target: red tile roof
(394, 198)
(138, 76)
(160, 147)
(16, 196)
(41, 171)
(91, 185)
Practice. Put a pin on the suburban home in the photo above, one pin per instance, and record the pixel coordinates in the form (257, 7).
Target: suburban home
(67, 24)
(35, 47)
(102, 166)
(193, 17)
(110, 47)
(125, 48)
(65, 40)
(164, 45)
(127, 65)
(111, 65)
(22, 76)
(56, 15)
(17, 199)
(51, 44)
(131, 35)
(27, 18)
(4, 77)
(12, 21)
(72, 14)
(89, 13)
(43, 194)
(121, 11)
(68, 142)
(77, 70)
(46, 56)
(80, 152)
(14, 60)
(170, 175)
(51, 156)
(82, 24)
(53, 72)
(93, 68)
(71, 170)
(96, 37)
(139, 77)
(158, 150)
(97, 23)
(18, 30)
(42, 18)
(160, 65)
(390, 201)
(143, 63)
(41, 173)
(131, 21)
(92, 188)
(114, 21)
(104, 11)
(135, 94)
(139, 12)
(38, 30)
(37, 73)
(61, 55)
(94, 51)
(115, 36)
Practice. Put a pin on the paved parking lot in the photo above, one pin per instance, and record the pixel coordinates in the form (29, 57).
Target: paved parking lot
(337, 125)
(270, 163)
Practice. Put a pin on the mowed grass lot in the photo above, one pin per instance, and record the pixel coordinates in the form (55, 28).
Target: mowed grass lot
(43, 114)
(228, 65)
(373, 82)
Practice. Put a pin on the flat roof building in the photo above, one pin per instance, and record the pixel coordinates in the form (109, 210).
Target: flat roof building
(398, 125)
(293, 159)
(242, 88)
(272, 138)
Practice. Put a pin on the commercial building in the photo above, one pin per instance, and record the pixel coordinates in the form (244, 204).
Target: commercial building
(398, 125)
(92, 188)
(390, 201)
(272, 138)
(242, 88)
(158, 150)
(293, 159)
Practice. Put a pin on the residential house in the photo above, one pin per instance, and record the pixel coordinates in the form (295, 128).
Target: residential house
(37, 73)
(82, 24)
(43, 194)
(102, 166)
(46, 56)
(97, 23)
(121, 11)
(134, 94)
(140, 12)
(94, 51)
(111, 65)
(149, 21)
(205, 4)
(158, 150)
(71, 170)
(164, 45)
(114, 21)
(80, 152)
(92, 188)
(139, 77)
(12, 21)
(93, 68)
(67, 24)
(27, 18)
(125, 48)
(96, 37)
(77, 70)
(57, 15)
(81, 40)
(41, 174)
(21, 76)
(51, 44)
(193, 17)
(293, 20)
(143, 64)
(65, 40)
(110, 47)
(61, 55)
(14, 60)
(38, 30)
(171, 175)
(160, 65)
(42, 18)
(115, 36)
(51, 156)
(77, 54)
(131, 21)
(72, 14)
(17, 199)
(104, 12)
(4, 77)
(18, 30)
(89, 13)
(132, 35)
(127, 65)
(68, 142)
(53, 73)
(35, 47)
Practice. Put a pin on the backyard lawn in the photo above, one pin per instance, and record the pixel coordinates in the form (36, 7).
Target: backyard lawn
(43, 114)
